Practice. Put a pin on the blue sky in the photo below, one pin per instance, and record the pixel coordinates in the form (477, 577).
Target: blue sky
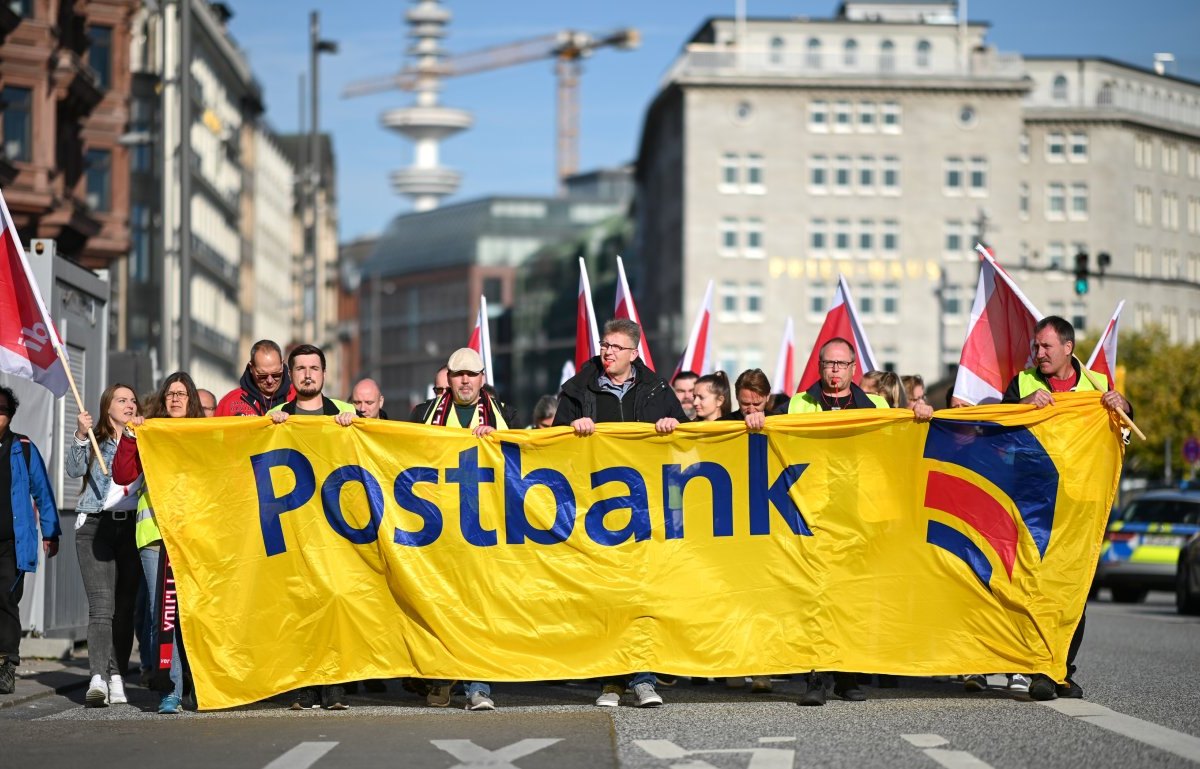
(510, 149)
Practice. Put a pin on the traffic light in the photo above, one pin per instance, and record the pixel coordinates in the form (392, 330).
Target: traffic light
(1081, 273)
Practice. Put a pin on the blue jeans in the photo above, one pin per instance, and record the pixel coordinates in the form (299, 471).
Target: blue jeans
(151, 557)
(472, 686)
(630, 681)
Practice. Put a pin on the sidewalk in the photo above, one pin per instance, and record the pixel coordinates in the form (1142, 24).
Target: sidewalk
(40, 678)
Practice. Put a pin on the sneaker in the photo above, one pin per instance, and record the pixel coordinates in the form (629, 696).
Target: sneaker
(1069, 690)
(1018, 682)
(97, 693)
(170, 705)
(306, 699)
(610, 697)
(439, 696)
(815, 694)
(116, 691)
(1042, 688)
(8, 677)
(735, 682)
(645, 696)
(479, 701)
(975, 683)
(334, 697)
(846, 686)
(666, 679)
(760, 684)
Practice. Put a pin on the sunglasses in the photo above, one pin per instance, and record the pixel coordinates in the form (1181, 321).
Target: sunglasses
(276, 375)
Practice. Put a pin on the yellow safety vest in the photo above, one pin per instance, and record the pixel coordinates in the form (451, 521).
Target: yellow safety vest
(145, 528)
(1028, 382)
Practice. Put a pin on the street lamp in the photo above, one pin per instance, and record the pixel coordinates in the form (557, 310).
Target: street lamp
(312, 175)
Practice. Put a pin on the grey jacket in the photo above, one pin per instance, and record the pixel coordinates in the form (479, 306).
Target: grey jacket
(95, 489)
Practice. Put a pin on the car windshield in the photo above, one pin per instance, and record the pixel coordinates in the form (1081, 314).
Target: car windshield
(1163, 511)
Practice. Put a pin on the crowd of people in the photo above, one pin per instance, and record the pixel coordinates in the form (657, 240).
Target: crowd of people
(121, 551)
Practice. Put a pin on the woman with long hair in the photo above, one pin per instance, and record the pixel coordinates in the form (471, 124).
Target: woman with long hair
(105, 545)
(175, 399)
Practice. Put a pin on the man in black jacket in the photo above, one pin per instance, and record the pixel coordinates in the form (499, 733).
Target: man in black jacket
(617, 387)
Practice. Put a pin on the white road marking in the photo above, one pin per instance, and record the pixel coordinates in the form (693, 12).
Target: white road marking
(760, 758)
(302, 756)
(776, 739)
(1182, 745)
(474, 757)
(926, 740)
(956, 759)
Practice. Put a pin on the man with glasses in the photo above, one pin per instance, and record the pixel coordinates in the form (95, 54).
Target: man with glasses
(441, 386)
(208, 402)
(265, 384)
(616, 386)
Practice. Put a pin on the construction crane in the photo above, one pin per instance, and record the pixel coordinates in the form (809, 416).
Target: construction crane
(568, 48)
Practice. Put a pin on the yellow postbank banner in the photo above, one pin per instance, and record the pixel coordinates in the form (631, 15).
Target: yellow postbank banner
(309, 553)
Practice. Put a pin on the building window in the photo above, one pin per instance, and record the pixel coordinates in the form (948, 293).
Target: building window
(753, 297)
(841, 237)
(1023, 148)
(1143, 152)
(954, 238)
(1056, 201)
(17, 104)
(818, 173)
(866, 236)
(1193, 216)
(1055, 147)
(729, 173)
(1079, 316)
(891, 175)
(777, 46)
(890, 238)
(953, 178)
(889, 302)
(1170, 211)
(1055, 255)
(866, 116)
(1079, 200)
(728, 301)
(1023, 200)
(1079, 147)
(728, 236)
(812, 55)
(818, 237)
(952, 305)
(99, 54)
(1058, 91)
(887, 56)
(1170, 158)
(850, 53)
(139, 243)
(841, 116)
(1143, 206)
(816, 299)
(99, 180)
(818, 116)
(754, 238)
(1142, 261)
(924, 50)
(866, 174)
(891, 117)
(866, 300)
(979, 169)
(841, 174)
(755, 174)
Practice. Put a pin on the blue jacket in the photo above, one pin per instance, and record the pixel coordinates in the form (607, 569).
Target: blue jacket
(95, 487)
(29, 486)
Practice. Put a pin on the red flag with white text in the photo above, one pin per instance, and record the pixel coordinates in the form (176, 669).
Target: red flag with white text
(587, 338)
(481, 340)
(1104, 357)
(999, 337)
(841, 321)
(697, 358)
(29, 343)
(626, 309)
(785, 365)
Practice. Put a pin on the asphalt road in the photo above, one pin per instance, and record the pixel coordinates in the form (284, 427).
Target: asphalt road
(1140, 668)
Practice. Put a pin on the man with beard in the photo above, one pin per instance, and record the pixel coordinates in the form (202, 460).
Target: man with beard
(265, 384)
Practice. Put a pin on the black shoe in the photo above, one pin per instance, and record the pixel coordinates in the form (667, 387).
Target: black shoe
(1043, 688)
(698, 681)
(334, 697)
(374, 686)
(1069, 690)
(845, 685)
(306, 698)
(417, 686)
(888, 682)
(815, 694)
(8, 677)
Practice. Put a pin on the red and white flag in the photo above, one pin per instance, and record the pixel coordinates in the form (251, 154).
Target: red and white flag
(587, 338)
(999, 338)
(481, 340)
(1104, 357)
(29, 343)
(697, 357)
(841, 321)
(785, 365)
(626, 309)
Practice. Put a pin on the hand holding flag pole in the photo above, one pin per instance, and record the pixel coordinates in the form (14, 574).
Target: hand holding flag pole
(29, 344)
(1125, 420)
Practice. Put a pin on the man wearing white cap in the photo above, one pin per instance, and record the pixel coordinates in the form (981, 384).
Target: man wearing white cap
(464, 404)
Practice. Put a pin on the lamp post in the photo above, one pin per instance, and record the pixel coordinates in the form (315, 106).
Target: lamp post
(312, 175)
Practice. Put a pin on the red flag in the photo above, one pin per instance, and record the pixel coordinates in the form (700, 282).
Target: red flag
(1104, 357)
(626, 309)
(29, 343)
(785, 365)
(840, 321)
(587, 338)
(481, 340)
(999, 338)
(696, 357)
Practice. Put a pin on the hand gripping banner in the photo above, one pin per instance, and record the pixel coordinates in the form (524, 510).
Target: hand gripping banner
(309, 553)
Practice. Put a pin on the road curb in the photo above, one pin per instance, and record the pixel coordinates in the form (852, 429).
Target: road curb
(21, 699)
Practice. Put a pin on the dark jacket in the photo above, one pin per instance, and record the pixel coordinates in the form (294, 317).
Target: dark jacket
(249, 401)
(30, 484)
(780, 407)
(652, 398)
(420, 412)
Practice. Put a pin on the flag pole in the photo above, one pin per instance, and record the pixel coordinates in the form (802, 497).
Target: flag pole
(1125, 420)
(62, 356)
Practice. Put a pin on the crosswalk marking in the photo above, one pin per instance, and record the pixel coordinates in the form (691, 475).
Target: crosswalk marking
(931, 746)
(760, 758)
(925, 740)
(302, 756)
(1178, 743)
(471, 755)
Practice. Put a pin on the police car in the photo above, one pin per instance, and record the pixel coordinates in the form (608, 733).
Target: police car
(1142, 545)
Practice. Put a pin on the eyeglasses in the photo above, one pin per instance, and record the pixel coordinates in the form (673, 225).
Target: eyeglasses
(440, 390)
(175, 395)
(606, 346)
(276, 375)
(836, 364)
